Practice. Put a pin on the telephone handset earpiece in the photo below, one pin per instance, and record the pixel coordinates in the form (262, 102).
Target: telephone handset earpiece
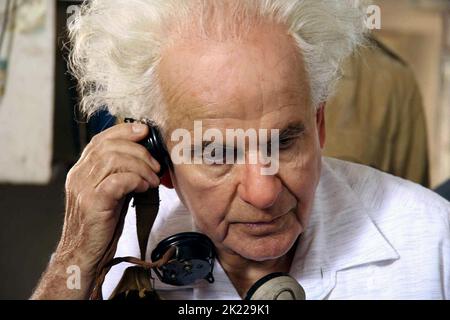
(154, 143)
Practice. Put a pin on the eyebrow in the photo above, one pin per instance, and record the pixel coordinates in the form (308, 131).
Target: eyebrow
(293, 130)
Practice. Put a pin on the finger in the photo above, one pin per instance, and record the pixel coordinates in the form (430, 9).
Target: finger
(116, 162)
(131, 148)
(117, 186)
(128, 131)
(125, 131)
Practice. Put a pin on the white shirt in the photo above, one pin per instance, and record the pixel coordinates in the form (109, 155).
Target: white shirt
(371, 236)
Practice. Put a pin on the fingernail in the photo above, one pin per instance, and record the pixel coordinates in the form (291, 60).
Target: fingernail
(138, 127)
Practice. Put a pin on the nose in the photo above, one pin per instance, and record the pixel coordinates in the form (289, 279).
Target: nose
(261, 191)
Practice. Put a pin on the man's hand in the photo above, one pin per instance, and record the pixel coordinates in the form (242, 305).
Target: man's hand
(112, 166)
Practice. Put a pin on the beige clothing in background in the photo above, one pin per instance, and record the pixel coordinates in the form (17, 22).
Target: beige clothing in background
(376, 116)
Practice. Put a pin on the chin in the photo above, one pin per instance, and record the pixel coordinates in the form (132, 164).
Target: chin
(265, 249)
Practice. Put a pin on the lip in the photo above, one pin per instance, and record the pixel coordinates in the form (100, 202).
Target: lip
(261, 228)
(263, 222)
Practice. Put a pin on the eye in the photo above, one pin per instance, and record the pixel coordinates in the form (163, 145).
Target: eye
(216, 157)
(286, 142)
(283, 144)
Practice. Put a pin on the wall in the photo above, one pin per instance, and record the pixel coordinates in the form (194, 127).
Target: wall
(26, 110)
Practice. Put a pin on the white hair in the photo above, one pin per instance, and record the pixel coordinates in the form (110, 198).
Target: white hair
(116, 45)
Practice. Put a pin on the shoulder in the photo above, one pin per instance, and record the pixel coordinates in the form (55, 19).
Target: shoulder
(380, 55)
(391, 72)
(386, 51)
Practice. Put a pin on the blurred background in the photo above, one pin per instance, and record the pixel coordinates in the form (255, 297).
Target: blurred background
(402, 78)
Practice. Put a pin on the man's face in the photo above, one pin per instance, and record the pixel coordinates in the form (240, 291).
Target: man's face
(259, 83)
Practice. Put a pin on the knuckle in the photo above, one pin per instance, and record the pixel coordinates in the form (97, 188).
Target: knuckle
(95, 140)
(70, 175)
(148, 171)
(142, 150)
(71, 178)
(112, 160)
(115, 181)
(144, 154)
(102, 144)
(97, 150)
(84, 201)
(135, 179)
(85, 151)
(93, 156)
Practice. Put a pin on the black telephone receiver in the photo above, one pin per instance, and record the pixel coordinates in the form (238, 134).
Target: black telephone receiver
(154, 143)
(194, 254)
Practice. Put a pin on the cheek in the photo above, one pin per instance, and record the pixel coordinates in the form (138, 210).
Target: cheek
(301, 176)
(207, 200)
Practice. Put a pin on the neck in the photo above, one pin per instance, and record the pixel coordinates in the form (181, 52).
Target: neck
(243, 273)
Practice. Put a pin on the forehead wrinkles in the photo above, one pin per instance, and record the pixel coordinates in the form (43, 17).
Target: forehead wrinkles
(209, 78)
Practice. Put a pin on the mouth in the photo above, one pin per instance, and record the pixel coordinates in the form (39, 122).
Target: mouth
(262, 223)
(261, 228)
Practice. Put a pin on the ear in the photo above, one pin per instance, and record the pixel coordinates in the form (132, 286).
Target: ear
(166, 180)
(320, 121)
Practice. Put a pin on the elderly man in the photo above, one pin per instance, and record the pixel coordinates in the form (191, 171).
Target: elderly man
(341, 230)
